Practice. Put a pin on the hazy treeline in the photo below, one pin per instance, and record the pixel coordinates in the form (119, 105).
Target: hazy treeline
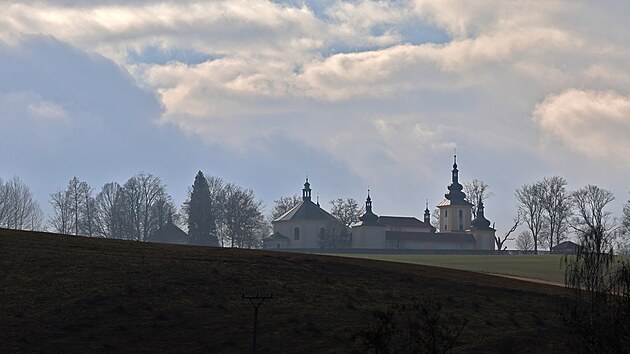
(231, 217)
(131, 211)
(139, 207)
(551, 214)
(18, 209)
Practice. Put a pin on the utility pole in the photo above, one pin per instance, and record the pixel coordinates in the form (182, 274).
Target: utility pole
(256, 301)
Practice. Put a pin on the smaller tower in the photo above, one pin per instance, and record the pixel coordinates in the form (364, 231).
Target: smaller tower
(368, 232)
(427, 214)
(368, 217)
(306, 192)
(480, 222)
(482, 232)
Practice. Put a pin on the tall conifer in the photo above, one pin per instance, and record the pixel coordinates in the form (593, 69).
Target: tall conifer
(201, 220)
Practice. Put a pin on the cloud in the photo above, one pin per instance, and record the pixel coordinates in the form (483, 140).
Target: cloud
(595, 124)
(383, 89)
(48, 110)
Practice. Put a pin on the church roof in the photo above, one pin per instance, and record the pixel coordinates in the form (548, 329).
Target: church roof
(455, 237)
(169, 233)
(306, 210)
(402, 221)
(367, 223)
(277, 236)
(566, 245)
(480, 222)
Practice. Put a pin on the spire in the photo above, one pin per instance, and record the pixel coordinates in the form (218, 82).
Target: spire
(306, 192)
(455, 194)
(369, 218)
(455, 171)
(480, 221)
(427, 214)
(318, 199)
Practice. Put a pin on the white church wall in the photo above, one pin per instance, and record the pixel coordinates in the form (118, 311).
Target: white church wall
(368, 237)
(485, 239)
(408, 228)
(309, 232)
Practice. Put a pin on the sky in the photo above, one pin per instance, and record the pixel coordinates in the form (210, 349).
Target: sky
(352, 93)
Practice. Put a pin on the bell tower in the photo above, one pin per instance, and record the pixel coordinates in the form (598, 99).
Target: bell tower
(306, 191)
(455, 210)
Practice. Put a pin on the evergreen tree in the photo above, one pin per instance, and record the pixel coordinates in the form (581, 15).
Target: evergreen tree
(201, 220)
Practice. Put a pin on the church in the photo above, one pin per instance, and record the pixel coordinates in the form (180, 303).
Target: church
(303, 226)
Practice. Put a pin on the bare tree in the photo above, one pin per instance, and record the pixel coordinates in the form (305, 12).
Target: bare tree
(4, 202)
(525, 241)
(346, 210)
(623, 245)
(334, 236)
(74, 209)
(18, 209)
(435, 218)
(244, 221)
(140, 195)
(61, 219)
(218, 198)
(625, 219)
(109, 211)
(529, 197)
(598, 281)
(477, 190)
(164, 211)
(557, 207)
(500, 241)
(592, 222)
(78, 193)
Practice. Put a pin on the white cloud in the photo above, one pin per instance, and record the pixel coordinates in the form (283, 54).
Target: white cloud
(336, 75)
(23, 108)
(48, 110)
(596, 124)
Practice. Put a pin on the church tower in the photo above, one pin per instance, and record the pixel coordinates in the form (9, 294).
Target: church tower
(481, 230)
(306, 191)
(368, 232)
(368, 218)
(455, 210)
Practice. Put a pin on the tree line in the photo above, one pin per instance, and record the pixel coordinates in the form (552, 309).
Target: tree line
(234, 217)
(552, 213)
(18, 209)
(223, 214)
(137, 209)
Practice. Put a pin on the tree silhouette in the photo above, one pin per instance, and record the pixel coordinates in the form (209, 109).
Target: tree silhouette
(201, 220)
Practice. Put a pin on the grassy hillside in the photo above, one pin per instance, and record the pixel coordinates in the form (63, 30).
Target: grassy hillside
(73, 294)
(546, 267)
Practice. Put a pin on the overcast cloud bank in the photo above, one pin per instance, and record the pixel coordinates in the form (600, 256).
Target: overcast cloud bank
(356, 93)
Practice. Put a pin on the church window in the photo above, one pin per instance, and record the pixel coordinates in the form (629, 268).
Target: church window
(446, 213)
(460, 218)
(445, 227)
(296, 233)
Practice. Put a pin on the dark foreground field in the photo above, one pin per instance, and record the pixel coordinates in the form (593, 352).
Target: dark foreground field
(74, 294)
